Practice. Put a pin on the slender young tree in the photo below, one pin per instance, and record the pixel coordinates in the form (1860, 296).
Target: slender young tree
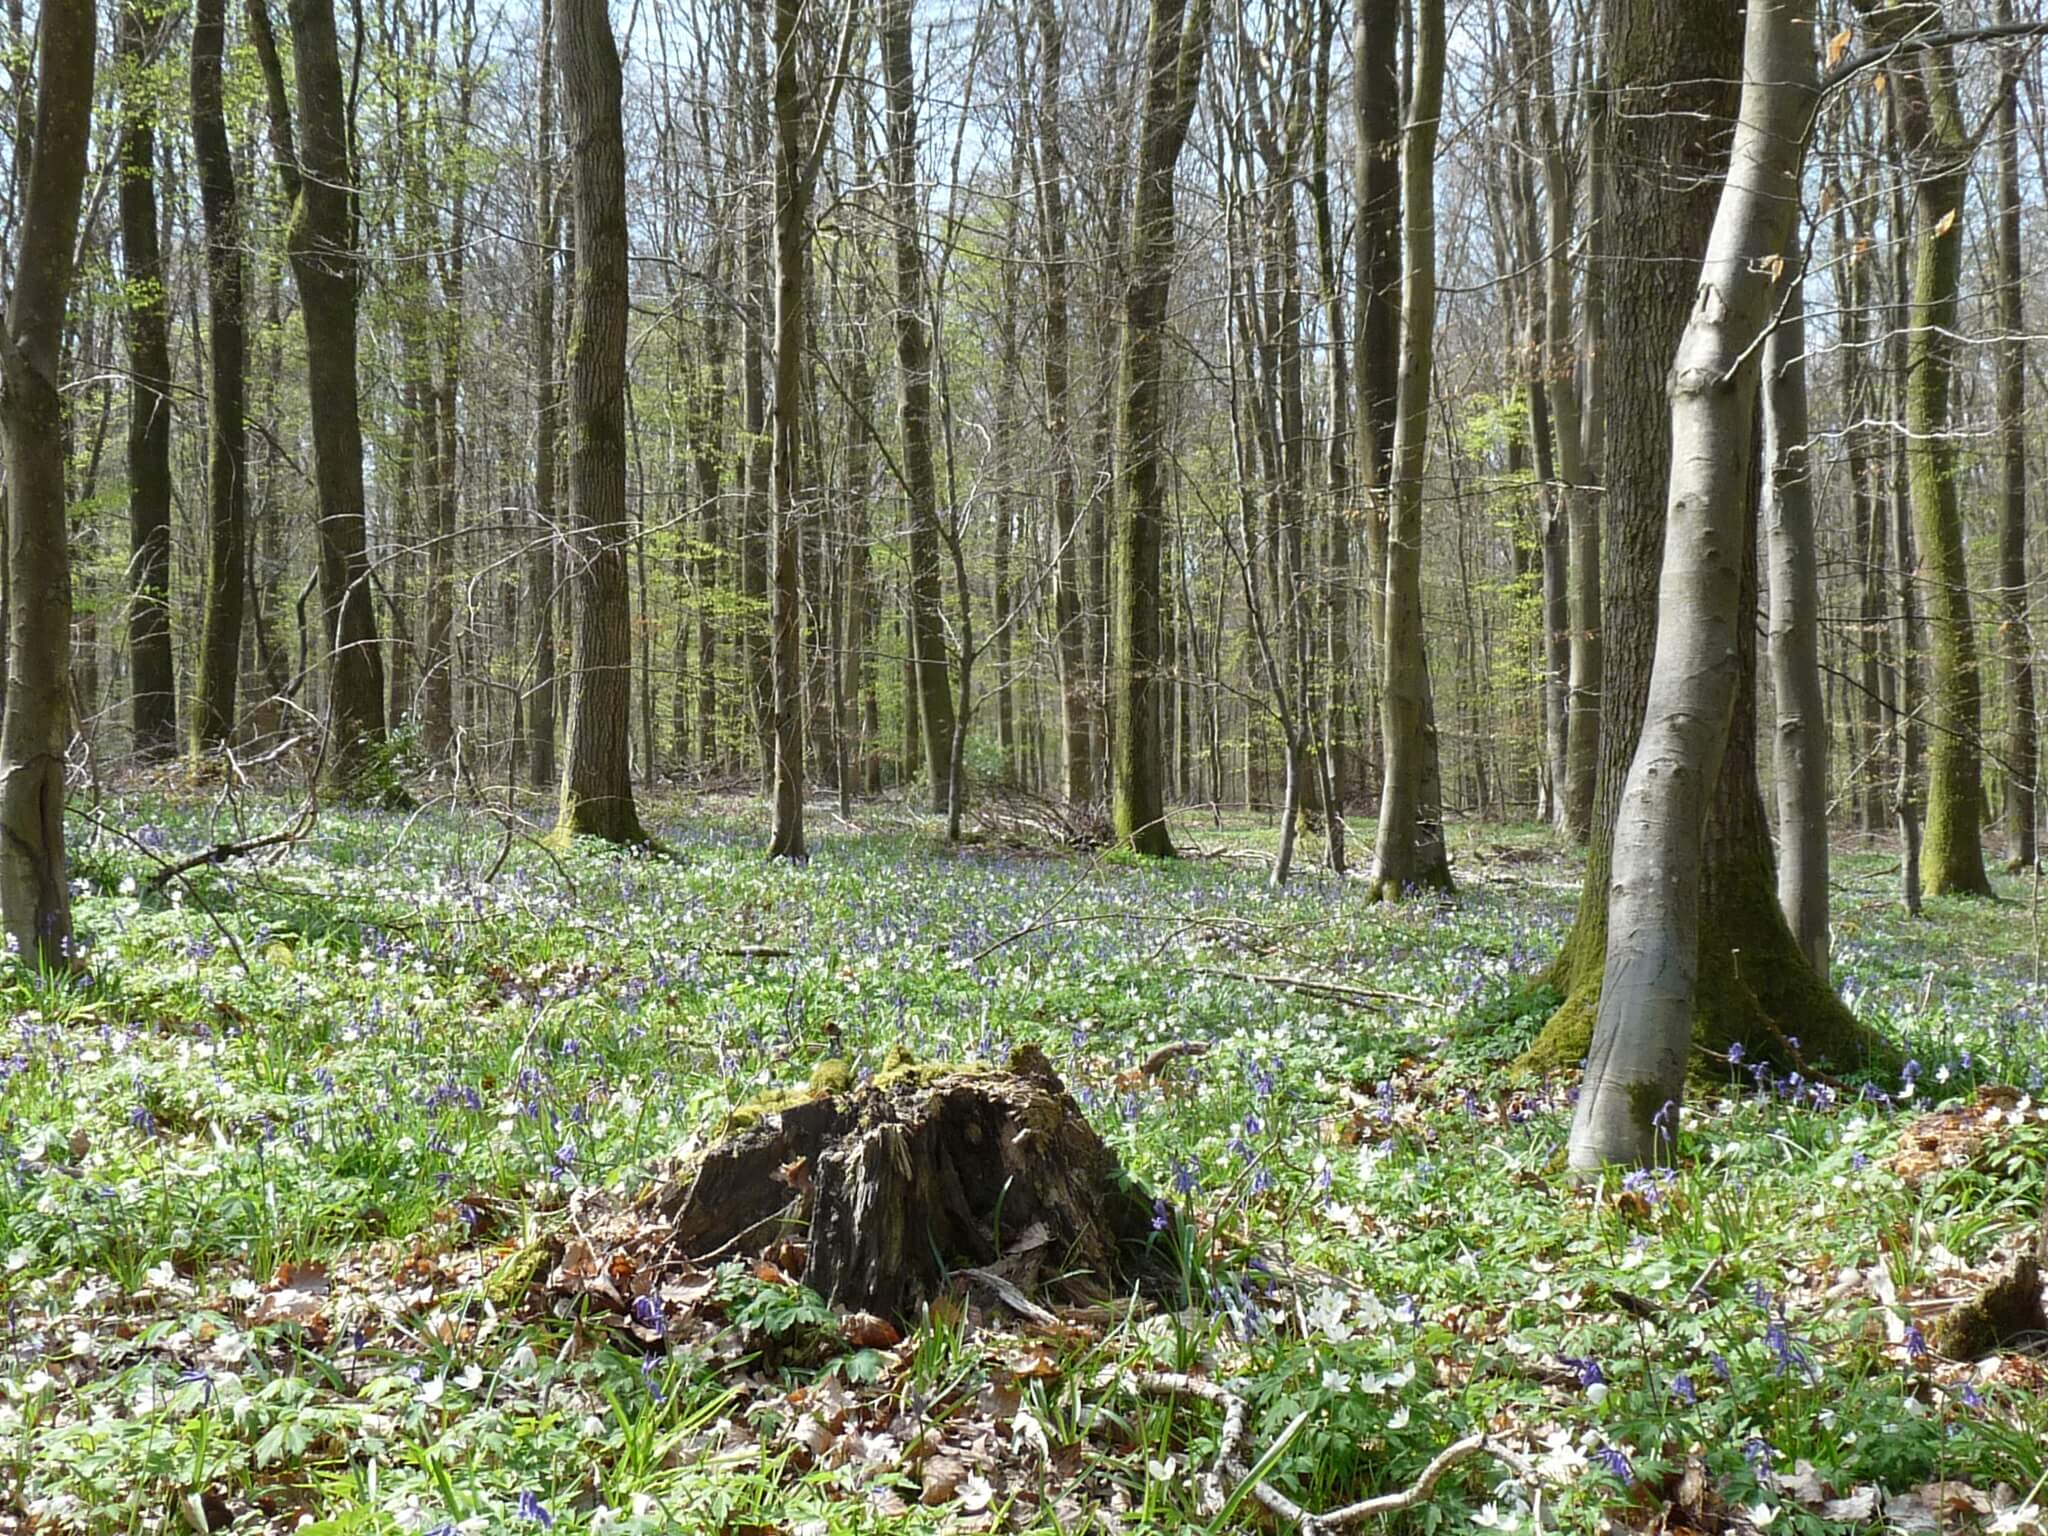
(597, 771)
(2022, 744)
(1409, 850)
(547, 403)
(154, 700)
(227, 473)
(1803, 729)
(1176, 48)
(1077, 742)
(35, 890)
(1635, 1073)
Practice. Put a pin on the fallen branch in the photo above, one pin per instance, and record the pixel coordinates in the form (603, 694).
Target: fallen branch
(220, 853)
(1309, 986)
(1230, 1461)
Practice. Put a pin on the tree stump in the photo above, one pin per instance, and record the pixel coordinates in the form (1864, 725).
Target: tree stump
(895, 1182)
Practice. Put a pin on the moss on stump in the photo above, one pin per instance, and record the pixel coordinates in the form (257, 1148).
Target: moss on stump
(925, 1168)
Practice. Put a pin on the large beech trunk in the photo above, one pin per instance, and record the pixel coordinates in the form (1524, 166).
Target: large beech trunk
(35, 893)
(597, 780)
(1635, 1072)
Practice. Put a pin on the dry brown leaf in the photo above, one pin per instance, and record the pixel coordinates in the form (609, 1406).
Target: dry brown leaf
(1839, 45)
(1945, 223)
(864, 1330)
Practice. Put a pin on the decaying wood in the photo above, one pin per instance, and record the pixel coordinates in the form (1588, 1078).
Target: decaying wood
(896, 1183)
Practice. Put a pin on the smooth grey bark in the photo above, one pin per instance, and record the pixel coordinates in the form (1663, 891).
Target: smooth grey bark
(35, 891)
(1560, 369)
(1409, 850)
(1078, 745)
(1635, 1071)
(2022, 742)
(547, 402)
(1802, 725)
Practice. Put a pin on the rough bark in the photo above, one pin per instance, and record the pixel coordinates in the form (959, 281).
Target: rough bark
(1176, 48)
(925, 1170)
(597, 781)
(792, 235)
(1635, 1072)
(914, 405)
(326, 263)
(1409, 851)
(146, 309)
(227, 476)
(35, 893)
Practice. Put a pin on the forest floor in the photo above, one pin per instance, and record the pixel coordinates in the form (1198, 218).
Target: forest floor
(317, 1203)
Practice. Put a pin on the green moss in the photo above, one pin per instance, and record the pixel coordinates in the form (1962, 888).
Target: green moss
(2008, 1310)
(832, 1075)
(516, 1274)
(1755, 990)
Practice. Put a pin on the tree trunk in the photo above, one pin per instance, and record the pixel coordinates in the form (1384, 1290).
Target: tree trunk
(2022, 751)
(1670, 68)
(547, 404)
(1635, 1073)
(792, 236)
(914, 383)
(1409, 849)
(153, 678)
(327, 265)
(1937, 145)
(1803, 727)
(35, 892)
(1077, 742)
(1176, 47)
(227, 488)
(597, 781)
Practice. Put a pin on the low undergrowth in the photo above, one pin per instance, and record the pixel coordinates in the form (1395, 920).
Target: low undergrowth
(284, 1180)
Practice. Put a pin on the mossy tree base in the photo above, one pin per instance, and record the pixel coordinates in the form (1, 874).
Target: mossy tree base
(1755, 989)
(920, 1170)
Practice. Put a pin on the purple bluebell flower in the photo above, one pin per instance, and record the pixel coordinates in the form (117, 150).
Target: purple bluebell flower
(1683, 1389)
(529, 1507)
(1615, 1463)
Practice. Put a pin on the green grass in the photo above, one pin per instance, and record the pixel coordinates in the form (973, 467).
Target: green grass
(392, 1057)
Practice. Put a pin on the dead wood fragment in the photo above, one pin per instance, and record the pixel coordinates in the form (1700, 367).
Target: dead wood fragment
(921, 1172)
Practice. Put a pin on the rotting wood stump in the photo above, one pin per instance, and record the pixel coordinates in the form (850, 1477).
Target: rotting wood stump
(892, 1183)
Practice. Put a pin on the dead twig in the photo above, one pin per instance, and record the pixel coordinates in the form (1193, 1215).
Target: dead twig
(1309, 986)
(1230, 1461)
